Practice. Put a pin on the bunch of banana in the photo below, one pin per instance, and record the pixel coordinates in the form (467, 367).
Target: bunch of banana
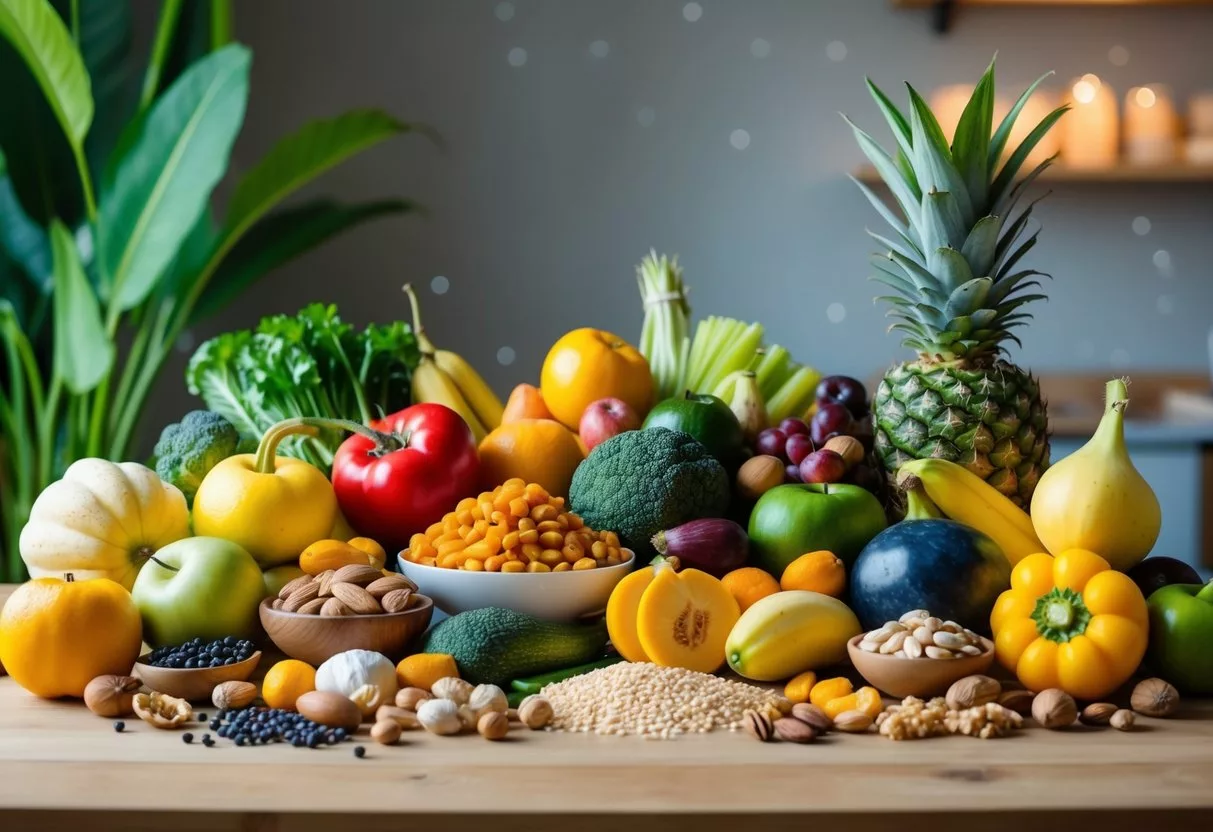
(444, 377)
(965, 497)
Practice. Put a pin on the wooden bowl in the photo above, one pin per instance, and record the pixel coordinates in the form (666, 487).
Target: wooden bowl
(315, 638)
(916, 677)
(193, 684)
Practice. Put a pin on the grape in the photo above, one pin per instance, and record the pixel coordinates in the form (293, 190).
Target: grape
(793, 473)
(793, 426)
(868, 478)
(845, 391)
(771, 441)
(831, 419)
(798, 446)
(823, 466)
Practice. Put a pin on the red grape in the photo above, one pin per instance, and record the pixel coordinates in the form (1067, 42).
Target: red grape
(798, 446)
(793, 426)
(771, 441)
(823, 466)
(831, 419)
(845, 391)
(792, 473)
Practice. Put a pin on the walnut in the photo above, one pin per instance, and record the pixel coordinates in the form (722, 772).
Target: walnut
(983, 721)
(914, 719)
(161, 710)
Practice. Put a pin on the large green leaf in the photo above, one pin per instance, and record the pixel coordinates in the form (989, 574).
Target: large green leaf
(165, 181)
(281, 237)
(998, 142)
(39, 35)
(106, 42)
(83, 352)
(971, 142)
(933, 158)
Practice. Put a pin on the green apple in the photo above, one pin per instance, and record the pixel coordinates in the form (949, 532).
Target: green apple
(706, 418)
(1181, 636)
(199, 587)
(279, 576)
(791, 520)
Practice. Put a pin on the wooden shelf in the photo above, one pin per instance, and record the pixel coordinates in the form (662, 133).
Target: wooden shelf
(920, 4)
(1176, 174)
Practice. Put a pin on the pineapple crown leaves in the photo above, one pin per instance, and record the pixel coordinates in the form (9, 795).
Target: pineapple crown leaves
(952, 257)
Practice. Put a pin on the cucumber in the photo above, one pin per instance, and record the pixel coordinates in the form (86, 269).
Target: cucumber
(534, 684)
(494, 645)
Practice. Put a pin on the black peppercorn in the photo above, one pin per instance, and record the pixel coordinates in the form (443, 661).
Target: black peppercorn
(359, 751)
(119, 726)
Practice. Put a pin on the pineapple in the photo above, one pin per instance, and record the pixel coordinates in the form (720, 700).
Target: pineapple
(953, 265)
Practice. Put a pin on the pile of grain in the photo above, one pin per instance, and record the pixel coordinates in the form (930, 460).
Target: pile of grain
(654, 702)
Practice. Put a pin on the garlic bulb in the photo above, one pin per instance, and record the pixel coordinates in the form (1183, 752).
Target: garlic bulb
(346, 672)
(439, 716)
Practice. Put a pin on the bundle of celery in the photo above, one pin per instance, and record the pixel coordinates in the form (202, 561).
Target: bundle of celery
(721, 346)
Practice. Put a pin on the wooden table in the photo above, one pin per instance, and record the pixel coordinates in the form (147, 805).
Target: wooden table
(63, 768)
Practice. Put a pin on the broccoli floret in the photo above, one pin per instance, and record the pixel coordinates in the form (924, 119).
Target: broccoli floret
(645, 481)
(188, 450)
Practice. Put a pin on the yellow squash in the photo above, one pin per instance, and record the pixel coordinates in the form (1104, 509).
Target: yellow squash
(1070, 622)
(273, 506)
(788, 633)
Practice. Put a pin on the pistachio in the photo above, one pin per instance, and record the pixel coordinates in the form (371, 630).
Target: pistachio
(853, 721)
(112, 696)
(757, 725)
(1155, 697)
(812, 715)
(789, 729)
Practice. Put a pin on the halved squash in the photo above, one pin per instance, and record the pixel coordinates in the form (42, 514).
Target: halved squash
(684, 619)
(621, 611)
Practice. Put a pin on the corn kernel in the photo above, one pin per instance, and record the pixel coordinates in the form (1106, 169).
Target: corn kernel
(448, 547)
(428, 561)
(551, 540)
(486, 508)
(599, 548)
(434, 529)
(613, 552)
(531, 551)
(494, 563)
(449, 523)
(513, 566)
(466, 504)
(538, 566)
(611, 539)
(584, 563)
(551, 556)
(473, 565)
(519, 507)
(575, 521)
(514, 484)
(448, 562)
(478, 551)
(472, 535)
(510, 540)
(465, 518)
(417, 540)
(613, 560)
(562, 520)
(529, 536)
(492, 540)
(548, 526)
(500, 518)
(526, 524)
(562, 567)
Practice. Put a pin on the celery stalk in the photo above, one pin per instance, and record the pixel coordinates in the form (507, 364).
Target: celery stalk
(795, 396)
(771, 370)
(666, 320)
(736, 354)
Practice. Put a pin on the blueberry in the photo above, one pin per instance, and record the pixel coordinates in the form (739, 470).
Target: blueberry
(119, 726)
(240, 739)
(187, 738)
(359, 751)
(200, 717)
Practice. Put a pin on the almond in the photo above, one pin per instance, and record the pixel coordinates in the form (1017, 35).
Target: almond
(233, 695)
(329, 709)
(1019, 701)
(333, 608)
(312, 607)
(325, 579)
(382, 586)
(356, 573)
(853, 721)
(355, 597)
(292, 585)
(1097, 713)
(397, 600)
(277, 604)
(301, 596)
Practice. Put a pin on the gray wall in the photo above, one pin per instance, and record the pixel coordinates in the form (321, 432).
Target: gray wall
(560, 173)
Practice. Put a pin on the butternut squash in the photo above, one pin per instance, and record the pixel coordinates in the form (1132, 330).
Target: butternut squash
(684, 619)
(621, 612)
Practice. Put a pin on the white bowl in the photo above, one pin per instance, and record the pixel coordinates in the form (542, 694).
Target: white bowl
(554, 596)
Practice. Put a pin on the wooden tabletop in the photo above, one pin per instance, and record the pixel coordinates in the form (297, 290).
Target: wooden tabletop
(61, 767)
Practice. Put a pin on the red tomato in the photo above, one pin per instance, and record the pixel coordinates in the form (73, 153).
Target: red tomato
(420, 465)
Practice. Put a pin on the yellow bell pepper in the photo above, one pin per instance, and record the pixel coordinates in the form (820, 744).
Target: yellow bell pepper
(273, 506)
(1070, 622)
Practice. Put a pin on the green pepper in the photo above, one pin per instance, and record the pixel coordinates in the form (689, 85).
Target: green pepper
(1181, 632)
(534, 684)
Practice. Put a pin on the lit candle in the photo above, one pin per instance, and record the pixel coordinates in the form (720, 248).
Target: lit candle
(1034, 110)
(1090, 131)
(1151, 126)
(947, 103)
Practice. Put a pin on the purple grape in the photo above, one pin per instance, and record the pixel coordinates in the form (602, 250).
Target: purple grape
(771, 441)
(823, 466)
(845, 391)
(798, 446)
(793, 426)
(831, 419)
(792, 473)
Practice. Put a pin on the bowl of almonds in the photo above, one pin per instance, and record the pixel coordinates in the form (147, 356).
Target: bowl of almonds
(356, 607)
(919, 655)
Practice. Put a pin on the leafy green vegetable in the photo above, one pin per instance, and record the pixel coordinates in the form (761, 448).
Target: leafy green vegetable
(189, 449)
(311, 364)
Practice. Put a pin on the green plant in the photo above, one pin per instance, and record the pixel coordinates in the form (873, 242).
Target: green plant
(108, 245)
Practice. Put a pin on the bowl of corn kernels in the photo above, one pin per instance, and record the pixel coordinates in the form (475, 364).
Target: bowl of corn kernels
(520, 548)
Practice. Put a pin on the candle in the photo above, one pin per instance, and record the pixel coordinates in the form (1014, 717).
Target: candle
(1090, 131)
(947, 103)
(1151, 126)
(1034, 110)
(1200, 114)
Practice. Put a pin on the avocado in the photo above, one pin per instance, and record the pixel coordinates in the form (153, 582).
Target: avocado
(494, 645)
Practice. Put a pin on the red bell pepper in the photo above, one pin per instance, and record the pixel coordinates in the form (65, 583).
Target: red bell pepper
(402, 473)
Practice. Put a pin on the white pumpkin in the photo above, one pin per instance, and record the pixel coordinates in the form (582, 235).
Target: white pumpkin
(345, 672)
(102, 520)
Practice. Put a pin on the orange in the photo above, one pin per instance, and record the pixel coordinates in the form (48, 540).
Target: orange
(749, 585)
(586, 365)
(57, 635)
(525, 402)
(422, 670)
(817, 572)
(287, 681)
(542, 451)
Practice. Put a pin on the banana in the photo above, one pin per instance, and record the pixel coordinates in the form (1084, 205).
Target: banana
(919, 505)
(967, 498)
(444, 377)
(789, 632)
(484, 402)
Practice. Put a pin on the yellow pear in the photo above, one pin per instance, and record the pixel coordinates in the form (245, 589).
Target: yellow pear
(1095, 499)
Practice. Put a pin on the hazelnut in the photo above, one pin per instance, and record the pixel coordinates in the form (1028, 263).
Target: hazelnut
(758, 475)
(493, 725)
(849, 448)
(410, 698)
(1123, 720)
(386, 732)
(1155, 697)
(232, 696)
(972, 691)
(1054, 708)
(536, 712)
(1097, 713)
(112, 696)
(789, 729)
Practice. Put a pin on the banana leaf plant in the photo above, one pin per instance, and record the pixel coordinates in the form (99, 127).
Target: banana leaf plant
(110, 246)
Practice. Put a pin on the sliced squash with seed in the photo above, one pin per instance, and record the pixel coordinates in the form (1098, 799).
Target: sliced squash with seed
(621, 611)
(684, 619)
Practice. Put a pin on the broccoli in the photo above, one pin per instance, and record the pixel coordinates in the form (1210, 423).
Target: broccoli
(188, 450)
(645, 481)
